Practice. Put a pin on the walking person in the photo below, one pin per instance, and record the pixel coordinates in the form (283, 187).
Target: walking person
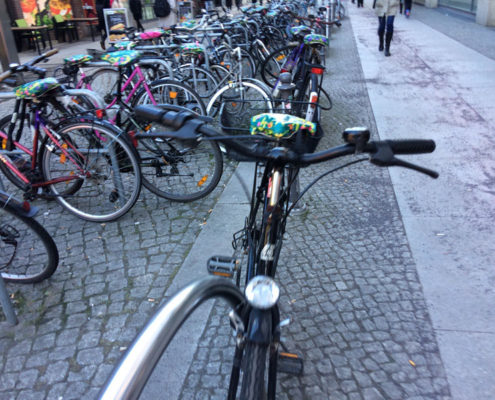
(360, 3)
(100, 5)
(137, 12)
(386, 11)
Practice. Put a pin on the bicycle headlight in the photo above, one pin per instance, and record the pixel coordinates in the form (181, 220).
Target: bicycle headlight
(262, 292)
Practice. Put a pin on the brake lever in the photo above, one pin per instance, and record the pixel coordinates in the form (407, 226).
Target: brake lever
(401, 163)
(384, 157)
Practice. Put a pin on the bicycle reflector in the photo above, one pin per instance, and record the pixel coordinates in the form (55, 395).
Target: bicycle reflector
(262, 292)
(317, 71)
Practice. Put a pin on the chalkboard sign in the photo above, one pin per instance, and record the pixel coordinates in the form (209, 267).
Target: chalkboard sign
(115, 19)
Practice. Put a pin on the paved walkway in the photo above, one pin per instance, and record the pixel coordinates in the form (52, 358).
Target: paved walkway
(442, 85)
(375, 274)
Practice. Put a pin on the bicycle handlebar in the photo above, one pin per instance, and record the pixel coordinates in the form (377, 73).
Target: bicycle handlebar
(187, 126)
(29, 66)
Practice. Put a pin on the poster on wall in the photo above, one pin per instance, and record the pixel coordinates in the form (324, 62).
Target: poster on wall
(45, 9)
(115, 19)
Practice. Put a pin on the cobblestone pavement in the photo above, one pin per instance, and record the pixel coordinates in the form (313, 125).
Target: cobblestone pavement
(348, 282)
(74, 326)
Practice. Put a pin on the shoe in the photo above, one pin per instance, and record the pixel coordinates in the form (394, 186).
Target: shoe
(408, 13)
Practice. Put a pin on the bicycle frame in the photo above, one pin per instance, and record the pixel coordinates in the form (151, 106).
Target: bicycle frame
(38, 123)
(141, 81)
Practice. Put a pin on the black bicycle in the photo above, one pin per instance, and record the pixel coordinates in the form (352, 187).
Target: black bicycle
(278, 150)
(28, 253)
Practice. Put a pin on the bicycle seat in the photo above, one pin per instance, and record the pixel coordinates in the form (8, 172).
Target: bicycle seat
(124, 45)
(314, 39)
(36, 88)
(121, 58)
(280, 126)
(153, 34)
(191, 49)
(78, 59)
(300, 30)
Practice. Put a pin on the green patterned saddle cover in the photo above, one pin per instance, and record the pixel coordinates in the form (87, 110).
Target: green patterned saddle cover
(36, 88)
(124, 45)
(300, 30)
(121, 58)
(314, 39)
(189, 24)
(78, 59)
(191, 49)
(280, 125)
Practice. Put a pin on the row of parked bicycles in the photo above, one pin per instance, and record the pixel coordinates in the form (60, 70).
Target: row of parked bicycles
(161, 109)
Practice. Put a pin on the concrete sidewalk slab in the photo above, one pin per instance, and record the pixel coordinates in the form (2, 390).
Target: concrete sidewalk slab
(448, 221)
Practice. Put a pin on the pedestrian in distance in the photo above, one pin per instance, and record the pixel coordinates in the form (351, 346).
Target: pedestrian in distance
(137, 12)
(386, 11)
(100, 5)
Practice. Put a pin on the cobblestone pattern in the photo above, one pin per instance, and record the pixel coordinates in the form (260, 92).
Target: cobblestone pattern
(74, 326)
(348, 280)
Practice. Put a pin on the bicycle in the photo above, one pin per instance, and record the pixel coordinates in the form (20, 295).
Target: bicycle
(169, 170)
(28, 253)
(84, 163)
(255, 316)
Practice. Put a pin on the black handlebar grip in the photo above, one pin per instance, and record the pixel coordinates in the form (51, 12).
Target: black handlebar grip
(37, 70)
(412, 146)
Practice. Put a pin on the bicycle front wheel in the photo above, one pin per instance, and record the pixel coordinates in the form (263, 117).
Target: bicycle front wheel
(28, 253)
(254, 365)
(101, 160)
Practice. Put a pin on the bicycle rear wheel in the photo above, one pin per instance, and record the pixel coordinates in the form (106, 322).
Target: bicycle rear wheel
(272, 66)
(28, 253)
(178, 171)
(170, 168)
(106, 166)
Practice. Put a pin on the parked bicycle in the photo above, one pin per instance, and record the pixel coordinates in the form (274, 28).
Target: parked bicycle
(280, 142)
(84, 163)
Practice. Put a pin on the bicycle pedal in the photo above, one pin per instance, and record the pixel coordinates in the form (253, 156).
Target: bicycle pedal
(290, 363)
(222, 266)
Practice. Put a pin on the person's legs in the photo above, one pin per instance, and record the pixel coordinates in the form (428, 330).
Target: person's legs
(407, 6)
(381, 31)
(389, 34)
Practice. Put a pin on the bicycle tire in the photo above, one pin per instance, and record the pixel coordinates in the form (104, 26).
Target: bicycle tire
(104, 82)
(173, 184)
(189, 172)
(254, 365)
(234, 105)
(32, 245)
(270, 68)
(102, 161)
(202, 81)
(23, 160)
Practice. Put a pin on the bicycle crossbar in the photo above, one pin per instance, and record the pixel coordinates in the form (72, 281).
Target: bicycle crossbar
(129, 378)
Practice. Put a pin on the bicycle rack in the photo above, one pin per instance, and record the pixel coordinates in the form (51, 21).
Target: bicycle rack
(130, 376)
